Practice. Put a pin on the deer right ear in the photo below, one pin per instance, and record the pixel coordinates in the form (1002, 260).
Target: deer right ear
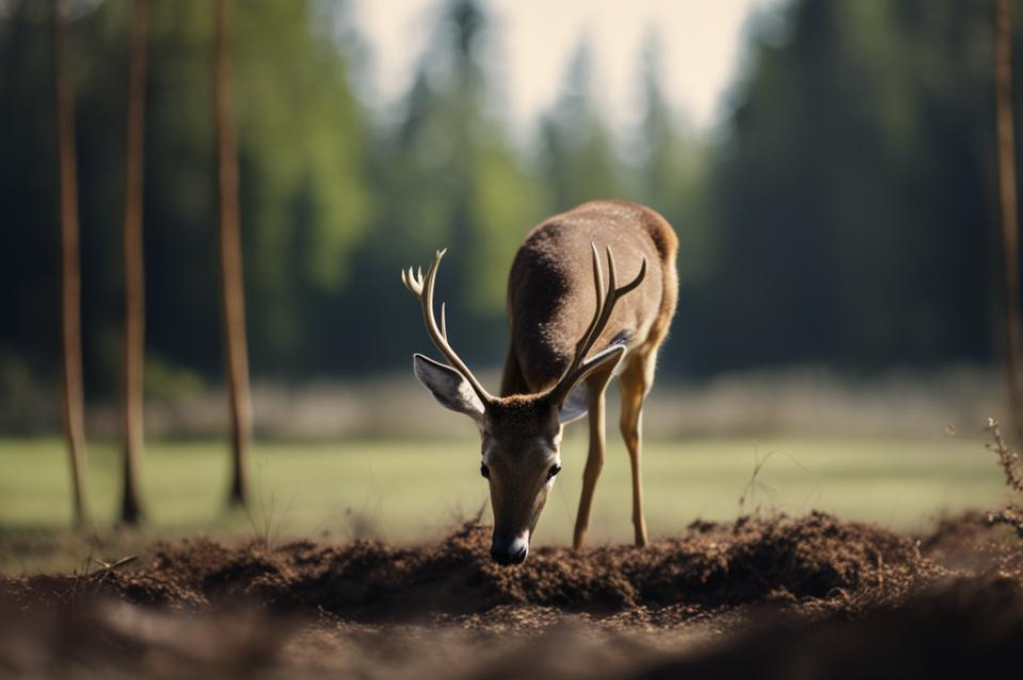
(576, 403)
(448, 386)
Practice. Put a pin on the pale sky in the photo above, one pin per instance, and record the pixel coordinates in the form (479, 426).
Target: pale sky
(703, 43)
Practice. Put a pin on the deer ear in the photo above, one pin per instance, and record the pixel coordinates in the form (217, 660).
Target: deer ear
(576, 406)
(447, 386)
(577, 402)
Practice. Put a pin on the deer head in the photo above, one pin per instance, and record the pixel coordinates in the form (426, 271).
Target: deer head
(521, 434)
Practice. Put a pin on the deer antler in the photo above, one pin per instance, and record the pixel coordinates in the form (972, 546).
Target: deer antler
(601, 315)
(423, 290)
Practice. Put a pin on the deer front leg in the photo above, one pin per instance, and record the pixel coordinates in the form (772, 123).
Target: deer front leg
(595, 386)
(635, 382)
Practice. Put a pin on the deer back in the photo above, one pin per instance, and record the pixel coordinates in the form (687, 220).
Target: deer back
(550, 288)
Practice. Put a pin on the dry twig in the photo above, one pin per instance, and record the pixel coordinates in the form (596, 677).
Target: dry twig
(1009, 459)
(1012, 466)
(107, 567)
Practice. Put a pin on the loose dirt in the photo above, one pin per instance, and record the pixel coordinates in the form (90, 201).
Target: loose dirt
(782, 597)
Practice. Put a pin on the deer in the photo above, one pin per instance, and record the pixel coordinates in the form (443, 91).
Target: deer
(571, 332)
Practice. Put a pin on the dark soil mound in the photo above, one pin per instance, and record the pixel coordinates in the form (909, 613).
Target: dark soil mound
(974, 543)
(843, 600)
(816, 557)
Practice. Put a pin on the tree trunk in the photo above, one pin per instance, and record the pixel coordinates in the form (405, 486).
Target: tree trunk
(1009, 209)
(70, 281)
(231, 281)
(134, 267)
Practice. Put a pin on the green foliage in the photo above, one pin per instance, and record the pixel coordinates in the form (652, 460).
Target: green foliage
(842, 214)
(301, 140)
(506, 202)
(852, 197)
(670, 174)
(305, 194)
(302, 133)
(581, 164)
(446, 177)
(165, 381)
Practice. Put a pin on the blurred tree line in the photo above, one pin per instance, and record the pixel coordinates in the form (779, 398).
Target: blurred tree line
(844, 213)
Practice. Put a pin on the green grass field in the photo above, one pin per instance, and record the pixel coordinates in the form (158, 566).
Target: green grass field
(407, 491)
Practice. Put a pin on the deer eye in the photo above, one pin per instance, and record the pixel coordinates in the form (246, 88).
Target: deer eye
(484, 470)
(553, 472)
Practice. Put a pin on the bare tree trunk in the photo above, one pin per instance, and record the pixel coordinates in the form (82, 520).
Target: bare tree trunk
(1009, 209)
(231, 280)
(70, 281)
(134, 291)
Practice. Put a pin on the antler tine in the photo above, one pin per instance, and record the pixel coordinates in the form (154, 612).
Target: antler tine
(598, 277)
(614, 293)
(586, 340)
(414, 285)
(611, 282)
(631, 286)
(602, 314)
(422, 288)
(604, 310)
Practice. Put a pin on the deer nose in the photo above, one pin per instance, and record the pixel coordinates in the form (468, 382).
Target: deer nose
(513, 552)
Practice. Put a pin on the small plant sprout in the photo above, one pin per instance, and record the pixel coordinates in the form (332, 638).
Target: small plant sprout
(1012, 467)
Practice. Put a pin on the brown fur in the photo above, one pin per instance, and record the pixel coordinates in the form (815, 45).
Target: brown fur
(551, 295)
(552, 302)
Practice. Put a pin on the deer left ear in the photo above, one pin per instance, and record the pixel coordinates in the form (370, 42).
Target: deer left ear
(577, 402)
(448, 386)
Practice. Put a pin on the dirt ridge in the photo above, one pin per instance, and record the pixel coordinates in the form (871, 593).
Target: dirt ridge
(779, 560)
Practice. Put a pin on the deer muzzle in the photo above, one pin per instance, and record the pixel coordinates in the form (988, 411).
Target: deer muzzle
(508, 550)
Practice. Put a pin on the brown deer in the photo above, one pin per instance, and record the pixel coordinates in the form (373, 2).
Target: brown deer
(569, 335)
